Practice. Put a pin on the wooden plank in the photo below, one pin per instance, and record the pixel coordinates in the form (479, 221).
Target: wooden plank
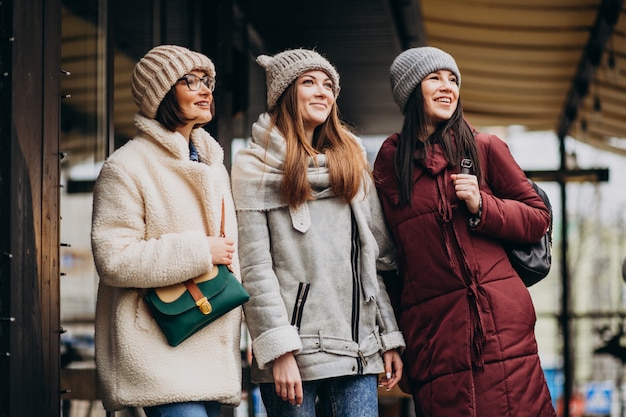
(26, 376)
(50, 195)
(34, 367)
(6, 322)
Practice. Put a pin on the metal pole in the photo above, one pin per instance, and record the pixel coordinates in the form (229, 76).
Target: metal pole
(565, 307)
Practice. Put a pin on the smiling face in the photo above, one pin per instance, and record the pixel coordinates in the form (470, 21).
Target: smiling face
(195, 105)
(315, 99)
(441, 96)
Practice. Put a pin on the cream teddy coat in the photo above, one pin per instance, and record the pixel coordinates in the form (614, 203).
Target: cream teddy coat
(152, 211)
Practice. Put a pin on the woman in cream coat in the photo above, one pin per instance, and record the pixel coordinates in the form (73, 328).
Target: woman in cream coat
(156, 217)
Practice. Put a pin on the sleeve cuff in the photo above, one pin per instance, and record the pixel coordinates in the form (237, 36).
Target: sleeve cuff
(393, 340)
(275, 343)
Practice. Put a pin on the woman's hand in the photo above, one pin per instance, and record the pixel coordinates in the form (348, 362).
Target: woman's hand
(222, 249)
(466, 188)
(287, 379)
(393, 369)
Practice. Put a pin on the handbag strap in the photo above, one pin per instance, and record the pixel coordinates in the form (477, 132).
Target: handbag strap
(201, 301)
(222, 232)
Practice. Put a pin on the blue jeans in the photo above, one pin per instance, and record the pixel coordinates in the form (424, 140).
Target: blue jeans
(190, 409)
(351, 396)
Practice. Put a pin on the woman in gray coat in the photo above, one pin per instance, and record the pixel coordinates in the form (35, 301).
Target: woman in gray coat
(312, 237)
(156, 221)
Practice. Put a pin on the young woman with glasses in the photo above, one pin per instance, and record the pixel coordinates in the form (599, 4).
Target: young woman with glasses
(156, 222)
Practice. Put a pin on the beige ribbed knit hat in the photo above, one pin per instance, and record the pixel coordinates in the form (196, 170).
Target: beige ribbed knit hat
(411, 66)
(283, 68)
(156, 73)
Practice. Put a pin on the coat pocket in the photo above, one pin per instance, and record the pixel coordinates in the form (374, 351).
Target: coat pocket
(298, 308)
(143, 316)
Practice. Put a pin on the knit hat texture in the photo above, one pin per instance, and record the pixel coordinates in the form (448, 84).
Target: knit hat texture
(283, 68)
(156, 73)
(413, 65)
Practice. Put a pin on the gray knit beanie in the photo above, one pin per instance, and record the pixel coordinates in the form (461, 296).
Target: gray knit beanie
(411, 66)
(156, 73)
(283, 68)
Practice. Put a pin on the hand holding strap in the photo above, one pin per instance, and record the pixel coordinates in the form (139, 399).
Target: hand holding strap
(201, 301)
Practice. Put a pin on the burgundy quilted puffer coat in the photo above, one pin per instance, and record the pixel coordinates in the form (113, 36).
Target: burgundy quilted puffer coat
(467, 318)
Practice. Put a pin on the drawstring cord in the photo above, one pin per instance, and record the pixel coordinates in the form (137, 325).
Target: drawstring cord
(444, 209)
(446, 217)
(477, 335)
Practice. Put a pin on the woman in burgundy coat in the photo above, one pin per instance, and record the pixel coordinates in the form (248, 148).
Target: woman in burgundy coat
(467, 318)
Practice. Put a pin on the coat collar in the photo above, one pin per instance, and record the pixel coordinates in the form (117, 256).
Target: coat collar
(435, 161)
(210, 151)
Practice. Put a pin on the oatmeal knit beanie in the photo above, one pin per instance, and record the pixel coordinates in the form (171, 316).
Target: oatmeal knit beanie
(283, 68)
(156, 73)
(411, 66)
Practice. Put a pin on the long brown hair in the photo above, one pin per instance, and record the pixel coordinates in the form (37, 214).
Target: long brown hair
(346, 161)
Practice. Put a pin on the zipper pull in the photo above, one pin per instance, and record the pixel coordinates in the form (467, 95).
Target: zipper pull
(466, 165)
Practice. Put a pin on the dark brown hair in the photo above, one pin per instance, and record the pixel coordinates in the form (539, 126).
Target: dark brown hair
(169, 113)
(454, 135)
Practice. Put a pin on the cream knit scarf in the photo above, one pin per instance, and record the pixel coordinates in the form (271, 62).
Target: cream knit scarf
(256, 177)
(258, 170)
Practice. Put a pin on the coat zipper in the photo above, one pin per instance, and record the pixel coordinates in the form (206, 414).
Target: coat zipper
(303, 292)
(356, 292)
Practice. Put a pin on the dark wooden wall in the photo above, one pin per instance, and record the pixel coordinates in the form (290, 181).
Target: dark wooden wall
(6, 14)
(32, 220)
(30, 96)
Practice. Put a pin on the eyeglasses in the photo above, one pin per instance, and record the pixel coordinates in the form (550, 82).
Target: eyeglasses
(193, 81)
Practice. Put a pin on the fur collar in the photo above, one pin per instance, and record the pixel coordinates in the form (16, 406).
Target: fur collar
(209, 150)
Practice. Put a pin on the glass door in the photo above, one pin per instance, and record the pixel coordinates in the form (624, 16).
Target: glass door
(84, 144)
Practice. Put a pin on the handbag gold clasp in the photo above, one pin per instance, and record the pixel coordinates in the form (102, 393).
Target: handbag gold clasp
(204, 305)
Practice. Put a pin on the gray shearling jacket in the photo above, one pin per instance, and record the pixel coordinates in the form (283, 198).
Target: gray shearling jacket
(314, 286)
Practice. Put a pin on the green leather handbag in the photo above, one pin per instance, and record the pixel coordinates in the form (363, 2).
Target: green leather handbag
(183, 309)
